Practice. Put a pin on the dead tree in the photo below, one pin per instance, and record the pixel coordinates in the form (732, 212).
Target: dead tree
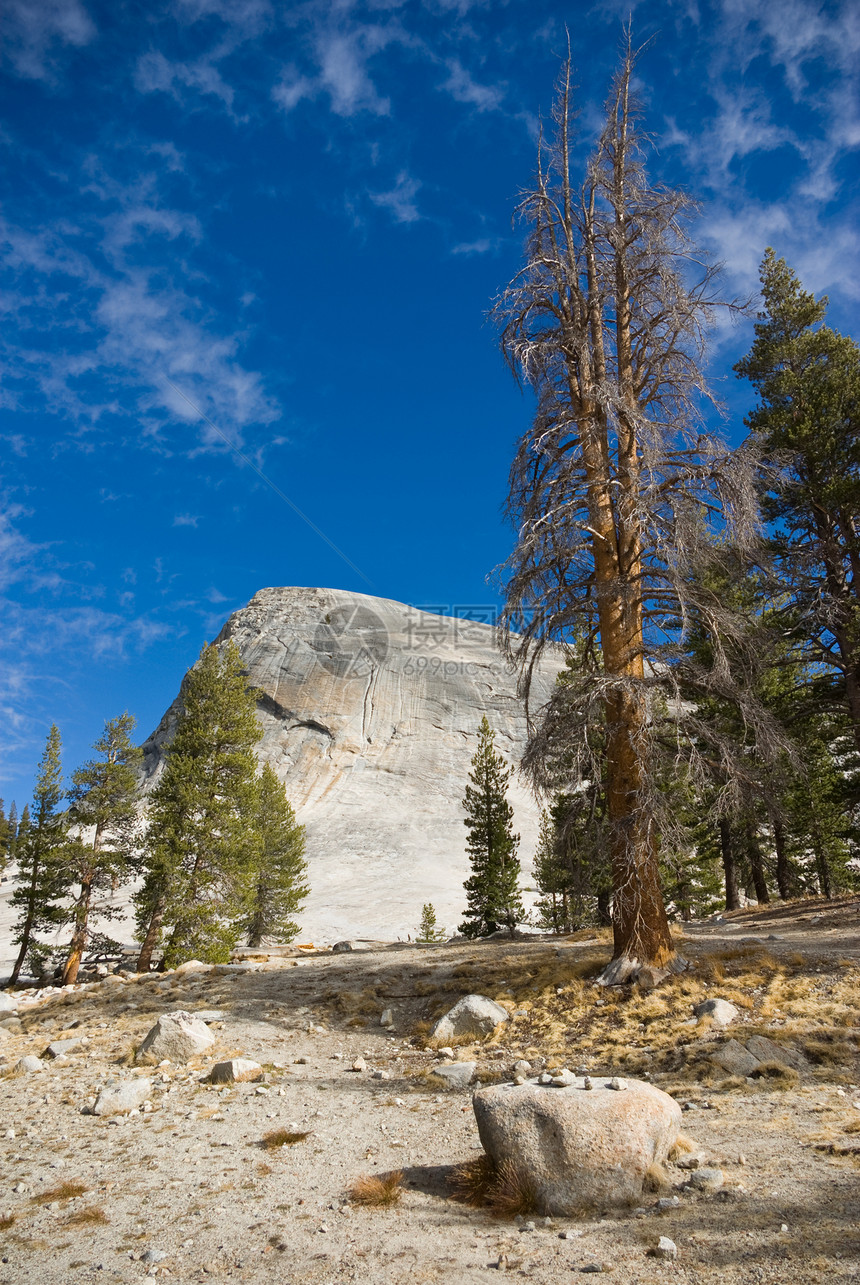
(617, 493)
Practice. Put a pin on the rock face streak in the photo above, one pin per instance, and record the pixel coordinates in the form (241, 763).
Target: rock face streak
(370, 711)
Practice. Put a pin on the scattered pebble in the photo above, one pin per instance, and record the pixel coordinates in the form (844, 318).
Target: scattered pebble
(665, 1248)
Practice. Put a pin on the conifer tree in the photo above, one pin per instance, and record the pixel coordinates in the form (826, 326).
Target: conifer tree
(41, 839)
(428, 929)
(4, 837)
(277, 885)
(493, 897)
(808, 426)
(200, 847)
(11, 831)
(102, 808)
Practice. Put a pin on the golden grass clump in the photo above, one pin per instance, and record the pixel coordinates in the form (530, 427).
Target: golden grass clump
(88, 1215)
(67, 1190)
(777, 1075)
(282, 1138)
(683, 1146)
(503, 1188)
(7, 1221)
(377, 1191)
(656, 1179)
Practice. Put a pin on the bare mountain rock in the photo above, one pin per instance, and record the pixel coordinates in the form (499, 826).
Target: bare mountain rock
(370, 711)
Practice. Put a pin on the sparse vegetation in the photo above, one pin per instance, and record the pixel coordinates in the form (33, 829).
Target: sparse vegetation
(282, 1138)
(377, 1191)
(68, 1190)
(503, 1188)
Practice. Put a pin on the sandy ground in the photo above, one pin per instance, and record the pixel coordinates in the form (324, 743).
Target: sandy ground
(190, 1184)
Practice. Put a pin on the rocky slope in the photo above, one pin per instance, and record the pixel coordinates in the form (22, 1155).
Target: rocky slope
(370, 710)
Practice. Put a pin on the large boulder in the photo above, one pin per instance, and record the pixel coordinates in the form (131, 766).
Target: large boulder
(239, 1070)
(720, 1011)
(733, 1058)
(578, 1148)
(176, 1037)
(471, 1015)
(8, 1003)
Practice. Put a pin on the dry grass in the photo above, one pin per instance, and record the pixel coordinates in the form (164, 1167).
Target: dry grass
(777, 1075)
(67, 1190)
(683, 1146)
(7, 1221)
(503, 1189)
(656, 1179)
(377, 1191)
(282, 1138)
(90, 1214)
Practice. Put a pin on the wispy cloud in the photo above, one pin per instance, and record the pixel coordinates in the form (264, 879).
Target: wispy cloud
(186, 519)
(37, 32)
(400, 199)
(464, 89)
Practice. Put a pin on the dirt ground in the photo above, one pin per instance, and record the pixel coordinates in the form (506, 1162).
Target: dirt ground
(188, 1191)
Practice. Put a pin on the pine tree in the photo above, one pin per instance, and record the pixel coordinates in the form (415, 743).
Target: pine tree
(277, 878)
(11, 831)
(39, 850)
(428, 929)
(4, 837)
(493, 898)
(200, 847)
(102, 808)
(808, 426)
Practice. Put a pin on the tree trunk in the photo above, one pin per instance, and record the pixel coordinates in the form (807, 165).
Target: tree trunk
(733, 897)
(26, 934)
(604, 908)
(79, 936)
(144, 959)
(754, 856)
(784, 873)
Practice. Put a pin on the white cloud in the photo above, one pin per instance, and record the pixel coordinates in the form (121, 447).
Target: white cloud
(186, 519)
(464, 89)
(484, 245)
(126, 326)
(35, 31)
(155, 73)
(400, 200)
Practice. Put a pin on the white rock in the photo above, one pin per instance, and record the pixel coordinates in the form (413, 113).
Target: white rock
(665, 1248)
(176, 1037)
(192, 966)
(618, 1085)
(357, 692)
(472, 1015)
(28, 1063)
(122, 1097)
(720, 1011)
(578, 1149)
(387, 1018)
(359, 1065)
(8, 1003)
(239, 1070)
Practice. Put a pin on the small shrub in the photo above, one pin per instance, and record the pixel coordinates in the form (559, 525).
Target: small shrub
(7, 1221)
(67, 1190)
(282, 1138)
(503, 1188)
(778, 1075)
(377, 1191)
(89, 1214)
(656, 1179)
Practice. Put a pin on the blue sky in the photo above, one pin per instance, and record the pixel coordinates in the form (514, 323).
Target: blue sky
(295, 216)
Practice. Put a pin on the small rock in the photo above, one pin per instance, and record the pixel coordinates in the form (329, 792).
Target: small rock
(529, 1226)
(563, 1079)
(446, 1052)
(341, 947)
(28, 1063)
(692, 1161)
(381, 1075)
(177, 1037)
(191, 966)
(783, 1227)
(153, 1256)
(238, 1070)
(595, 1267)
(735, 1059)
(618, 1085)
(387, 1018)
(118, 1099)
(665, 1203)
(208, 1015)
(359, 1065)
(8, 1003)
(706, 1179)
(720, 1011)
(586, 1082)
(472, 1015)
(570, 1233)
(665, 1248)
(59, 1048)
(521, 1067)
(456, 1075)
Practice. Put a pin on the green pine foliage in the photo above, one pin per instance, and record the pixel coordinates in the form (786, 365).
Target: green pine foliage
(41, 880)
(807, 425)
(277, 886)
(428, 929)
(102, 811)
(200, 848)
(4, 837)
(493, 897)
